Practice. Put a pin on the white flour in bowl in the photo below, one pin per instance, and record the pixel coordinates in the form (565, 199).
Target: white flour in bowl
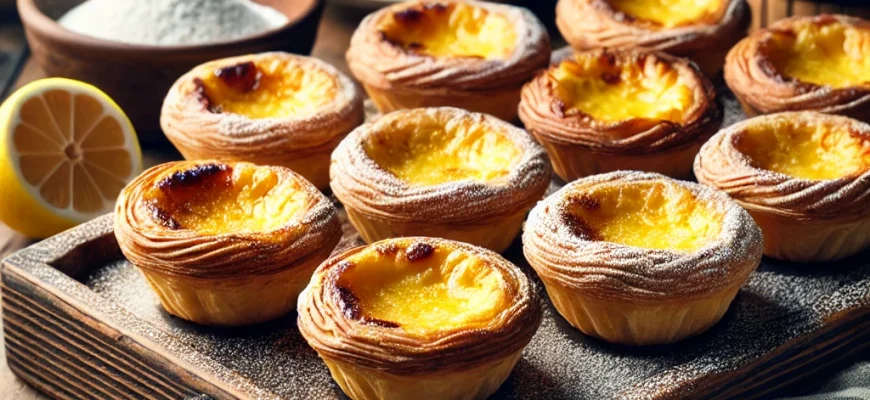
(171, 22)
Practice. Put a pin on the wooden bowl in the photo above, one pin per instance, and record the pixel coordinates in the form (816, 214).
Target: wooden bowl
(139, 76)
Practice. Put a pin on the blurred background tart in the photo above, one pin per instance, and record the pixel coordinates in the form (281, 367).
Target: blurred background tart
(702, 30)
(419, 318)
(639, 258)
(804, 177)
(225, 243)
(466, 54)
(819, 63)
(269, 109)
(606, 110)
(440, 172)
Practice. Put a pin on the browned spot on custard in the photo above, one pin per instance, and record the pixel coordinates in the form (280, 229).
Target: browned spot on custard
(408, 16)
(349, 303)
(204, 176)
(585, 201)
(182, 187)
(414, 14)
(610, 78)
(351, 308)
(242, 77)
(162, 217)
(578, 226)
(387, 249)
(419, 251)
(202, 96)
(380, 322)
(608, 59)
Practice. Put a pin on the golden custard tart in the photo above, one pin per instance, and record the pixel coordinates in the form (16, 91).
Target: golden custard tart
(439, 172)
(702, 30)
(607, 110)
(819, 63)
(804, 177)
(268, 109)
(419, 318)
(638, 258)
(430, 53)
(225, 243)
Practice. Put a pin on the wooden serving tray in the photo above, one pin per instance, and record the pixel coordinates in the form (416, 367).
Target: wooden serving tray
(80, 322)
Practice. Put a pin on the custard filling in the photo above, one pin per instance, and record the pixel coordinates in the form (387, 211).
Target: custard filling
(432, 152)
(648, 215)
(610, 90)
(217, 198)
(830, 55)
(421, 288)
(450, 30)
(669, 13)
(267, 89)
(807, 151)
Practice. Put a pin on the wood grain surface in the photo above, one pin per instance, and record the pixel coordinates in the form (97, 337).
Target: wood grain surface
(82, 323)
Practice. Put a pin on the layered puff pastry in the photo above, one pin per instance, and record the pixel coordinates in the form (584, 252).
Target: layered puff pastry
(703, 31)
(804, 177)
(268, 109)
(439, 172)
(225, 243)
(638, 258)
(431, 53)
(419, 318)
(607, 110)
(819, 63)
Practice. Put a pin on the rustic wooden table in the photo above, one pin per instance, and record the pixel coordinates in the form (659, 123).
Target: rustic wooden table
(333, 39)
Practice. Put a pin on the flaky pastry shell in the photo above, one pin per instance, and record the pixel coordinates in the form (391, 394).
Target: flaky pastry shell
(375, 359)
(802, 219)
(580, 145)
(399, 78)
(633, 295)
(762, 89)
(230, 277)
(301, 139)
(487, 213)
(591, 24)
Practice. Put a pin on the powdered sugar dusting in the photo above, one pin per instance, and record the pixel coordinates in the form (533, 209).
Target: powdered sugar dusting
(382, 64)
(722, 165)
(782, 306)
(781, 303)
(614, 271)
(359, 182)
(189, 125)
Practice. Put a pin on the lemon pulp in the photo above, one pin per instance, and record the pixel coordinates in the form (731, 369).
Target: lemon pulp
(275, 88)
(431, 152)
(832, 54)
(648, 215)
(442, 290)
(620, 91)
(669, 13)
(224, 199)
(808, 151)
(450, 30)
(66, 151)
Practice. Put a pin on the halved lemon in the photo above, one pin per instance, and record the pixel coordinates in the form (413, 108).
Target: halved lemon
(66, 151)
